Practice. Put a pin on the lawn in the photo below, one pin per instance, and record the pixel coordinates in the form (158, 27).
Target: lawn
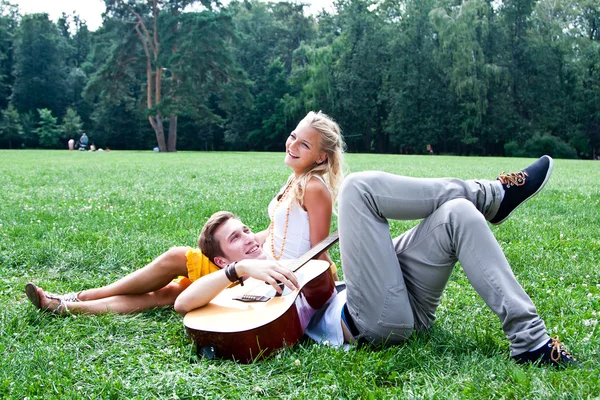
(74, 220)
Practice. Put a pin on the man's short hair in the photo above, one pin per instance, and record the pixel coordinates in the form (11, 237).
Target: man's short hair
(207, 243)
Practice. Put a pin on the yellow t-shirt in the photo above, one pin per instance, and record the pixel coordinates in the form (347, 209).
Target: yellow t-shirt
(198, 265)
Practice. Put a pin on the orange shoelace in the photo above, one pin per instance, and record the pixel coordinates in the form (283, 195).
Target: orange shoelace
(513, 179)
(558, 349)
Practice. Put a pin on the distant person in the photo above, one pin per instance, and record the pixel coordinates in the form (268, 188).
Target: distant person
(92, 147)
(71, 144)
(83, 141)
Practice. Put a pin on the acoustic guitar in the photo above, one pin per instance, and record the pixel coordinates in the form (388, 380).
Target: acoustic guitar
(250, 322)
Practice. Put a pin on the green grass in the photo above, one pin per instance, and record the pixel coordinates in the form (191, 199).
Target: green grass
(79, 220)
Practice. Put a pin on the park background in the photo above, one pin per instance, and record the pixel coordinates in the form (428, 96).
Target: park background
(512, 78)
(478, 77)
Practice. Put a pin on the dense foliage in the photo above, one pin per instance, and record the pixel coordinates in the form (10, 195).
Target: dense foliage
(516, 78)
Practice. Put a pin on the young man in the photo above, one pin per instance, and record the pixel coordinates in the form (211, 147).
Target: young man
(394, 286)
(83, 141)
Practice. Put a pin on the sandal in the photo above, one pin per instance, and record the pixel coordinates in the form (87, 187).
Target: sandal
(34, 297)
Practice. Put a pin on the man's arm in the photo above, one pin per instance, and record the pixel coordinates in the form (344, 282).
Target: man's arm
(202, 291)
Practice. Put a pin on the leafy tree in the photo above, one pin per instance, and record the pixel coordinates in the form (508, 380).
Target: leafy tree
(116, 117)
(463, 36)
(186, 57)
(64, 26)
(420, 103)
(361, 69)
(77, 42)
(11, 130)
(586, 32)
(28, 122)
(314, 73)
(48, 130)
(269, 33)
(8, 24)
(81, 41)
(71, 126)
(40, 70)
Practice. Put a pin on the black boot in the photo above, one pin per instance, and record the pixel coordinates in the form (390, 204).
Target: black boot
(551, 353)
(521, 186)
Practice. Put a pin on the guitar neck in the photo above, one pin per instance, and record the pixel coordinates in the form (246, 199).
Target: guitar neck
(314, 252)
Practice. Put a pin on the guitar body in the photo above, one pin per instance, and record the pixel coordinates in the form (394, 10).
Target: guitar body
(250, 330)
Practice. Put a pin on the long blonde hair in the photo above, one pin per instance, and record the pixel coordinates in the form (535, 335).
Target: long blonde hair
(330, 170)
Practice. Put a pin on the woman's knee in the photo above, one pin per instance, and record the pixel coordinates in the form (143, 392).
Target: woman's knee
(175, 260)
(177, 252)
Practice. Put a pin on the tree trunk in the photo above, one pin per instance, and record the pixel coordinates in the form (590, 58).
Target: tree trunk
(157, 125)
(172, 140)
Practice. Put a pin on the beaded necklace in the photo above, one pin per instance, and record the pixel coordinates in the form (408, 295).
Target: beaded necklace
(287, 220)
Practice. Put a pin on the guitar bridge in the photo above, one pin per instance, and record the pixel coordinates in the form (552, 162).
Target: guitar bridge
(248, 298)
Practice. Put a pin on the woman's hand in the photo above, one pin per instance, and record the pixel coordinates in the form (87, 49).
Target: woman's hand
(269, 271)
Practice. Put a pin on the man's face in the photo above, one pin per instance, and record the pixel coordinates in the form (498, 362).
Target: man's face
(237, 243)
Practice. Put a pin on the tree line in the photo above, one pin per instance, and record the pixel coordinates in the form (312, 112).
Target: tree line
(464, 77)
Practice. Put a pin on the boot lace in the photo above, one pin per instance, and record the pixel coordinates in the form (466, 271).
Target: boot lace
(513, 179)
(558, 350)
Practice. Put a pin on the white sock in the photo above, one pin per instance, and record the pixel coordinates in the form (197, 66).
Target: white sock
(538, 346)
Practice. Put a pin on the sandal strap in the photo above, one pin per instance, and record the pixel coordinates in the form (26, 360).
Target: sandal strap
(71, 297)
(62, 308)
(62, 304)
(53, 296)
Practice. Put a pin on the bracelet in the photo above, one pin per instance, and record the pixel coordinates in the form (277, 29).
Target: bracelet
(231, 273)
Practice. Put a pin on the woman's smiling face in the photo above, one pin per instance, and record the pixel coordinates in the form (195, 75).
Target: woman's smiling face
(303, 149)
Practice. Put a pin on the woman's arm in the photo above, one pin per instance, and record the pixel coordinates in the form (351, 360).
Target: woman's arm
(261, 237)
(202, 291)
(318, 204)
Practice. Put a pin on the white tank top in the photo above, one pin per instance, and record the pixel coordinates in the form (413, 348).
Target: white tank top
(297, 240)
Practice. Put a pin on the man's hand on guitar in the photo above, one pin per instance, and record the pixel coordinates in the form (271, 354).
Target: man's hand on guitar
(269, 271)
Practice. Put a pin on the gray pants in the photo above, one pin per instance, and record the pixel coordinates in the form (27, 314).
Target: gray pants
(395, 285)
